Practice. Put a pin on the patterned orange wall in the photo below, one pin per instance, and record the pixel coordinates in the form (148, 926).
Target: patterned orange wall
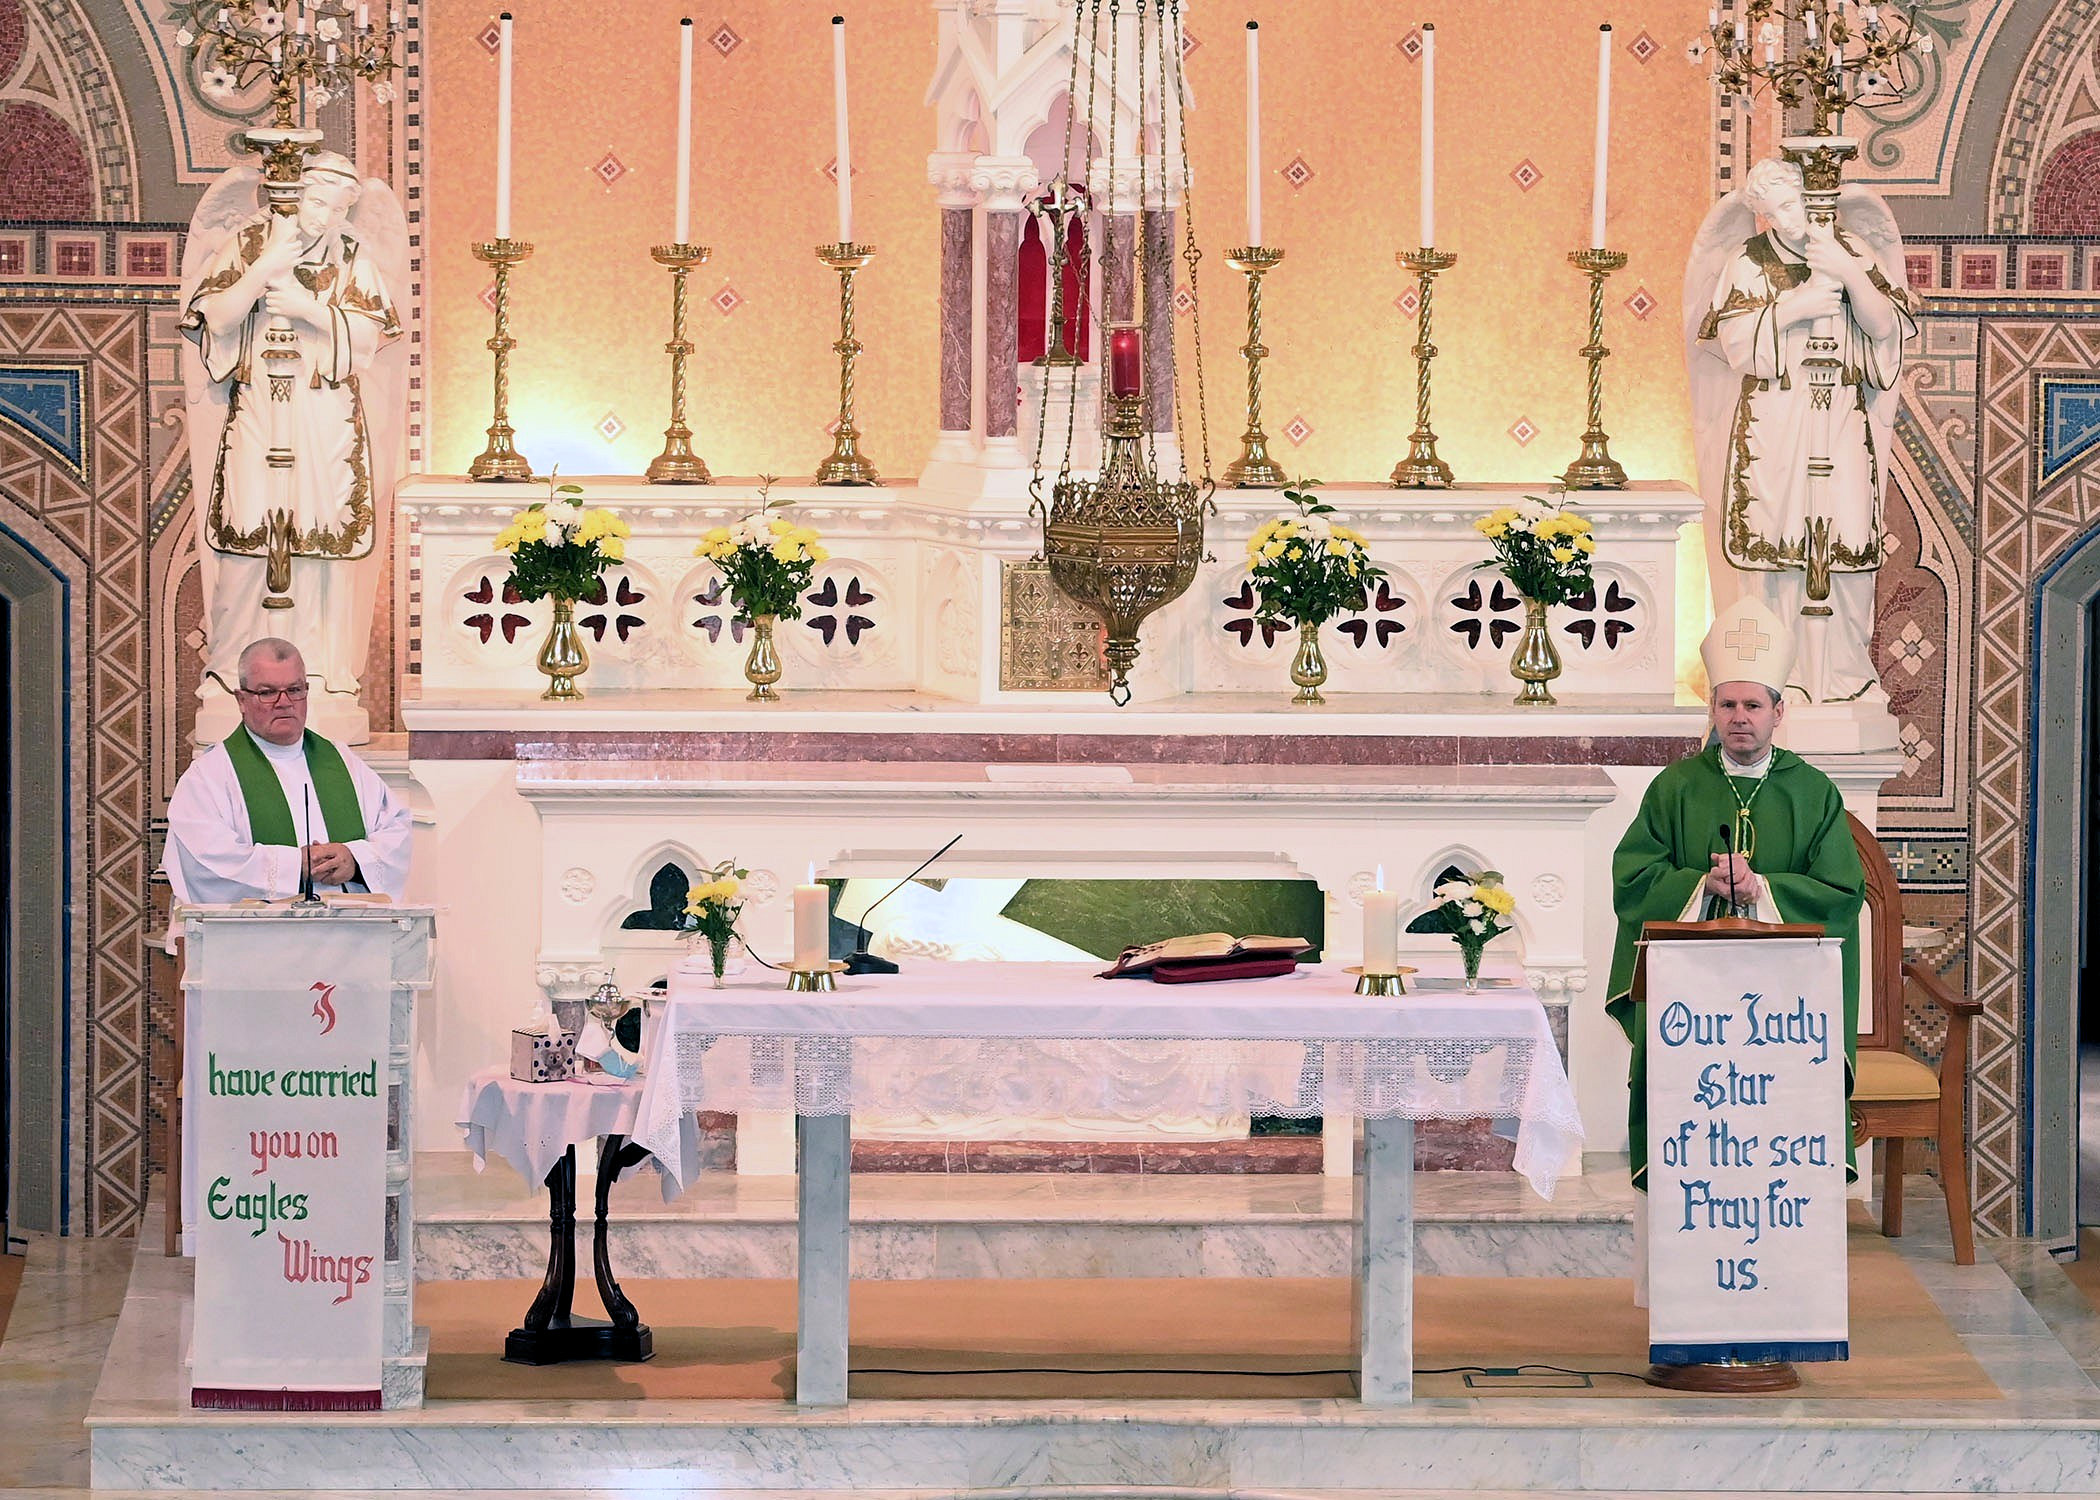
(1340, 98)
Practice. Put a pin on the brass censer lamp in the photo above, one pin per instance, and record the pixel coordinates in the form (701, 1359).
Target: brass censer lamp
(1127, 541)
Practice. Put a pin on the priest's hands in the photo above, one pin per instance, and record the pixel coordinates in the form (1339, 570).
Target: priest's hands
(1747, 885)
(331, 864)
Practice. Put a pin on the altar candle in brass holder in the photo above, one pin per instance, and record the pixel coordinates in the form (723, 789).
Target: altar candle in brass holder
(847, 464)
(678, 463)
(501, 461)
(1596, 469)
(1254, 469)
(1422, 469)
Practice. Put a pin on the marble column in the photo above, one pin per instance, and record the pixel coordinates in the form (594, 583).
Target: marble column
(1004, 182)
(1158, 229)
(823, 1258)
(950, 174)
(1002, 328)
(1384, 1298)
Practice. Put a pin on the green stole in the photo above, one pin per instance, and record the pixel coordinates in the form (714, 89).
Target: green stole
(270, 812)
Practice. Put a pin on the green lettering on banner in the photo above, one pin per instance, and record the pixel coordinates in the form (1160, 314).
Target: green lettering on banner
(238, 1083)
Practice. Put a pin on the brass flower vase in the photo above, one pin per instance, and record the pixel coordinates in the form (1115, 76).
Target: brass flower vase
(562, 656)
(1537, 662)
(762, 666)
(1309, 666)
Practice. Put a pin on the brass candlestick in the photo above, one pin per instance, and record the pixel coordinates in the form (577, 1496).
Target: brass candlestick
(1422, 469)
(500, 460)
(678, 464)
(1254, 469)
(847, 464)
(1596, 469)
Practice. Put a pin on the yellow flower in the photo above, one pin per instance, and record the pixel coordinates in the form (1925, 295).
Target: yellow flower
(1579, 522)
(820, 554)
(1271, 552)
(779, 527)
(1564, 554)
(613, 548)
(1586, 544)
(1496, 899)
(786, 553)
(1295, 553)
(719, 534)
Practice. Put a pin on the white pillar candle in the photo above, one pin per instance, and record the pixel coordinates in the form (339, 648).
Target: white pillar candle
(812, 924)
(1603, 136)
(1428, 135)
(1254, 133)
(503, 128)
(684, 221)
(845, 148)
(1381, 929)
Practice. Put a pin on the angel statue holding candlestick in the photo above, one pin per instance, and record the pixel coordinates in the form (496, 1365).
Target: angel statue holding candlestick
(296, 379)
(1795, 340)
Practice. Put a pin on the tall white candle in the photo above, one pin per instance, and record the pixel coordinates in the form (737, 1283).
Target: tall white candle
(1381, 929)
(1253, 132)
(503, 128)
(1603, 135)
(812, 924)
(845, 149)
(684, 223)
(1428, 135)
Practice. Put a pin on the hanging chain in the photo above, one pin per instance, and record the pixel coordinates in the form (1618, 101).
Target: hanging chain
(1193, 256)
(1141, 300)
(1086, 125)
(1052, 268)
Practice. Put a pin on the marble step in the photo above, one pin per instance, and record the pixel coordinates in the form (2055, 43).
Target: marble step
(910, 1226)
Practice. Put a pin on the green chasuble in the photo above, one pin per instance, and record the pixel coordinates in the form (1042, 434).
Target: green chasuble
(270, 812)
(1803, 852)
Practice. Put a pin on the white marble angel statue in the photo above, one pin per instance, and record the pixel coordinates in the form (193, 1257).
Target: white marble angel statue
(296, 378)
(1793, 485)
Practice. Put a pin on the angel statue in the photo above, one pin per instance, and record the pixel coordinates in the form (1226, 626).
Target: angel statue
(1795, 341)
(295, 373)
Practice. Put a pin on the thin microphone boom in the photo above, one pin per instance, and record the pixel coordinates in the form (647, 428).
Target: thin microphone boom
(1728, 838)
(860, 961)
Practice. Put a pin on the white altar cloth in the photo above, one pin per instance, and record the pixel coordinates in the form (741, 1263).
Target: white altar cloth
(945, 1037)
(531, 1125)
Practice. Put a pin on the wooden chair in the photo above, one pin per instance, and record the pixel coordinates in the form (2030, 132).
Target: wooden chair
(1895, 1097)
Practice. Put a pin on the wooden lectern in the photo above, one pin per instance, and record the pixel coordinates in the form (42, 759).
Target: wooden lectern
(1728, 1378)
(296, 1033)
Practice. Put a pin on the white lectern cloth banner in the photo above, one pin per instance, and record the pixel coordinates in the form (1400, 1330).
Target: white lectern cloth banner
(289, 1083)
(1746, 1150)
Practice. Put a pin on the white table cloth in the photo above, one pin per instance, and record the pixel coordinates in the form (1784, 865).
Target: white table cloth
(1053, 1038)
(954, 1033)
(531, 1125)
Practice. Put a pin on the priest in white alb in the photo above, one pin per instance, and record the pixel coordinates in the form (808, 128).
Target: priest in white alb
(252, 812)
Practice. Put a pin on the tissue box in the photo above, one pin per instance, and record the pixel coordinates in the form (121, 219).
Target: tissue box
(542, 1059)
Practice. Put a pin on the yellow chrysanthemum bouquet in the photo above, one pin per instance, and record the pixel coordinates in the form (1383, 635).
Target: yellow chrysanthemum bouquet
(711, 910)
(767, 560)
(1475, 909)
(560, 550)
(1306, 568)
(1543, 550)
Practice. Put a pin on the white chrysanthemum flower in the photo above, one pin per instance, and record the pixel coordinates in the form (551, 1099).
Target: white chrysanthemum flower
(1477, 925)
(556, 536)
(1319, 528)
(1472, 909)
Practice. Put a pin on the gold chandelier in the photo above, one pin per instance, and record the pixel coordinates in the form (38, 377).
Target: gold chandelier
(1127, 541)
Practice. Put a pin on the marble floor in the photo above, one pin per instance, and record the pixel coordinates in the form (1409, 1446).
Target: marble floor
(2018, 1314)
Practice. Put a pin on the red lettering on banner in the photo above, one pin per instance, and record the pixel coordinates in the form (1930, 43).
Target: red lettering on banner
(324, 1007)
(303, 1263)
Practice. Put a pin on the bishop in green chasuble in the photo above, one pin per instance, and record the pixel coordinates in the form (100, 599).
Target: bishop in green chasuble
(1792, 859)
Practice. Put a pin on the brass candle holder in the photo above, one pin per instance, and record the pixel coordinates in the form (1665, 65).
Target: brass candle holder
(1380, 986)
(1254, 469)
(500, 461)
(847, 464)
(1422, 469)
(678, 463)
(1596, 469)
(816, 981)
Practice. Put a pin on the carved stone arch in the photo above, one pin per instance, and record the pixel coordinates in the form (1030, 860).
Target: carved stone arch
(1415, 896)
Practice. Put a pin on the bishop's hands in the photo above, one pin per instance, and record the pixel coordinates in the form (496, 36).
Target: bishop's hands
(1735, 867)
(330, 864)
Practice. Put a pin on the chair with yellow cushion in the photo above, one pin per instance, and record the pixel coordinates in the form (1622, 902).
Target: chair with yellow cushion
(1895, 1097)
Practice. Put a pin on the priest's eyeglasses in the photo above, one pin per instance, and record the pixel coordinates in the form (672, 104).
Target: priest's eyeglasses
(290, 694)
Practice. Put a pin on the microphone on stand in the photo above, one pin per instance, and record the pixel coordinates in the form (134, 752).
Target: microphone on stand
(1728, 838)
(860, 960)
(306, 854)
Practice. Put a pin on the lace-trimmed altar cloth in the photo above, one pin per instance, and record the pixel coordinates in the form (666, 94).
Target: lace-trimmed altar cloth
(979, 1038)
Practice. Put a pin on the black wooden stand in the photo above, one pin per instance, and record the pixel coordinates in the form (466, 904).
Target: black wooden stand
(551, 1336)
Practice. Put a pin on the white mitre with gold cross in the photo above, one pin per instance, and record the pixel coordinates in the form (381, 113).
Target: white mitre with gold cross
(1748, 643)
